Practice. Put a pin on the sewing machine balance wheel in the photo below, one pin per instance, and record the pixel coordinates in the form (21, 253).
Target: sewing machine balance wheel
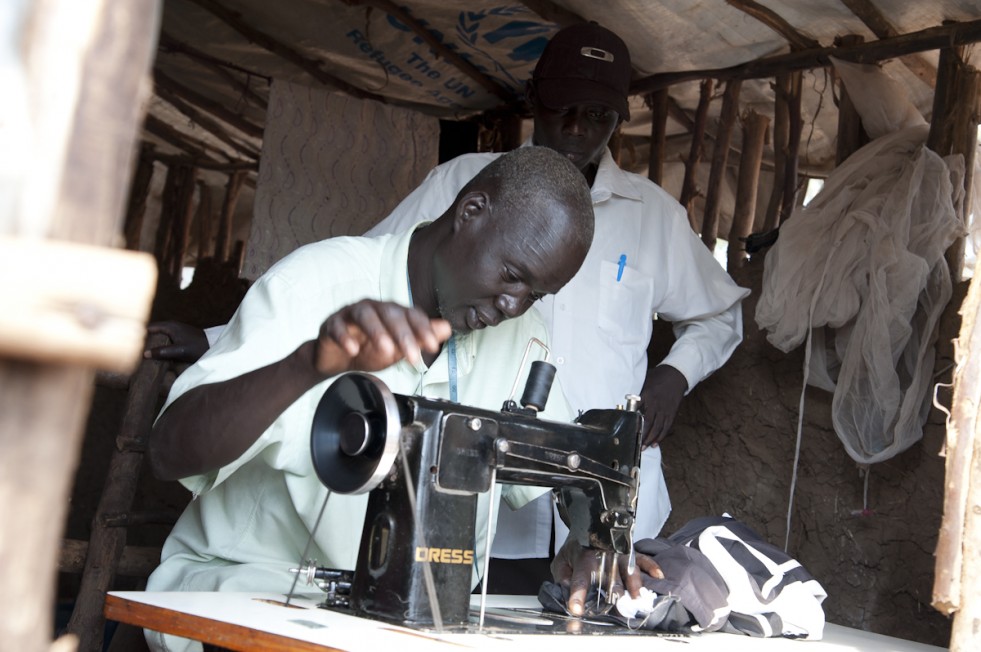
(355, 435)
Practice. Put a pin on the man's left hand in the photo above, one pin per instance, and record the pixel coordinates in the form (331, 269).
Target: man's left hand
(663, 390)
(577, 569)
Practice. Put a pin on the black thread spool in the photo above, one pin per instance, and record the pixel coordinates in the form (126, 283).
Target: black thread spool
(539, 385)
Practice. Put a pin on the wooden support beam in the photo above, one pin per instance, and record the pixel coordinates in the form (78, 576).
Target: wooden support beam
(205, 163)
(795, 130)
(851, 134)
(688, 189)
(139, 189)
(176, 204)
(163, 82)
(954, 129)
(755, 126)
(959, 545)
(720, 155)
(876, 21)
(207, 122)
(204, 219)
(554, 13)
(135, 561)
(223, 68)
(658, 102)
(781, 137)
(797, 40)
(934, 38)
(107, 542)
(74, 303)
(223, 241)
(454, 59)
(310, 66)
(84, 66)
(178, 139)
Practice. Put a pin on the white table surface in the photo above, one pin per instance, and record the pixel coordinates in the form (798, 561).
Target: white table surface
(265, 612)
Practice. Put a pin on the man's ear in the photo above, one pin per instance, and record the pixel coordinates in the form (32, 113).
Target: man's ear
(530, 92)
(471, 207)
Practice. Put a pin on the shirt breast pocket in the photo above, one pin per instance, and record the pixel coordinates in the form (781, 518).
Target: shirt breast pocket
(625, 309)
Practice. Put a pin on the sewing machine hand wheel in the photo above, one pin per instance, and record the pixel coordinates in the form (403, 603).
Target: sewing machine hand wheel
(354, 438)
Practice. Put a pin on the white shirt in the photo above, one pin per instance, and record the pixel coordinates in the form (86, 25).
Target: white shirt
(601, 321)
(251, 520)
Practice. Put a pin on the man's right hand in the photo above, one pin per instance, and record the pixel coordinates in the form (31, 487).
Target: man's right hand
(372, 335)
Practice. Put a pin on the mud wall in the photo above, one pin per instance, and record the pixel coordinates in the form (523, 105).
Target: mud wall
(732, 450)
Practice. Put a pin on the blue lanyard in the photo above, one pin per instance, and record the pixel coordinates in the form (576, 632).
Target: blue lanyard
(451, 364)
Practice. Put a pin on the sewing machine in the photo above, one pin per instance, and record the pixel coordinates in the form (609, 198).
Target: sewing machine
(424, 461)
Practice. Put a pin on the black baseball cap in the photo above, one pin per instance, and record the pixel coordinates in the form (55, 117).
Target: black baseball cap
(584, 63)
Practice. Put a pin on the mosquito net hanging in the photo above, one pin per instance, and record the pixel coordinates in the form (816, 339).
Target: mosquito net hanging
(861, 271)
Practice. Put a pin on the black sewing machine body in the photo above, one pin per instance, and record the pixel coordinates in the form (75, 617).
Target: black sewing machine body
(424, 462)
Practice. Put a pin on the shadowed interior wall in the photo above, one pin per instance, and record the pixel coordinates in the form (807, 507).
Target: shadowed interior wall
(332, 166)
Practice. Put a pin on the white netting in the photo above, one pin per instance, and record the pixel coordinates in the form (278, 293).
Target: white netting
(862, 268)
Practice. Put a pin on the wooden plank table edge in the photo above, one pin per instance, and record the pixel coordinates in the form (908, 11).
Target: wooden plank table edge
(206, 630)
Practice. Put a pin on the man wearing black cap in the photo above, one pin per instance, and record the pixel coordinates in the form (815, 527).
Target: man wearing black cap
(645, 261)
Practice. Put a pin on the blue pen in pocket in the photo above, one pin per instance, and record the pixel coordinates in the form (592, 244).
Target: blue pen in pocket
(620, 266)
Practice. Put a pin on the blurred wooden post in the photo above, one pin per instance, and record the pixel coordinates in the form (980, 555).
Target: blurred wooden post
(720, 157)
(85, 66)
(755, 126)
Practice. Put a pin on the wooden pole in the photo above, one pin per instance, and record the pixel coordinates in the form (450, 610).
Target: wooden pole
(720, 156)
(659, 132)
(86, 66)
(953, 130)
(959, 546)
(781, 136)
(138, 191)
(108, 538)
(688, 189)
(791, 159)
(850, 130)
(755, 126)
(204, 220)
(223, 241)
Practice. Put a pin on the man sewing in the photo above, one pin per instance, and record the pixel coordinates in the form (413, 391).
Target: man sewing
(235, 428)
(644, 261)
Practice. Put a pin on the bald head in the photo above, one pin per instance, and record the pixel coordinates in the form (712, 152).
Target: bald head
(529, 184)
(517, 231)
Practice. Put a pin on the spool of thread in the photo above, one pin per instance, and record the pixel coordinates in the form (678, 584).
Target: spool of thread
(539, 384)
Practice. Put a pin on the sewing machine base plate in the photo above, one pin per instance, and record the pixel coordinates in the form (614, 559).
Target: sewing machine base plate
(509, 621)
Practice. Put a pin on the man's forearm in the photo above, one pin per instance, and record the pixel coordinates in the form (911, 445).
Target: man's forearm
(212, 425)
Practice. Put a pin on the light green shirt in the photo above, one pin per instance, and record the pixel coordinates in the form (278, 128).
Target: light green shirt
(251, 520)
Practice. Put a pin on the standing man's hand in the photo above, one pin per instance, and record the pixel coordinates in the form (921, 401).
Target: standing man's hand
(576, 569)
(663, 390)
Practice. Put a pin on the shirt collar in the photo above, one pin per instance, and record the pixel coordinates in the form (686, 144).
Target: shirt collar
(610, 179)
(393, 279)
(394, 286)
